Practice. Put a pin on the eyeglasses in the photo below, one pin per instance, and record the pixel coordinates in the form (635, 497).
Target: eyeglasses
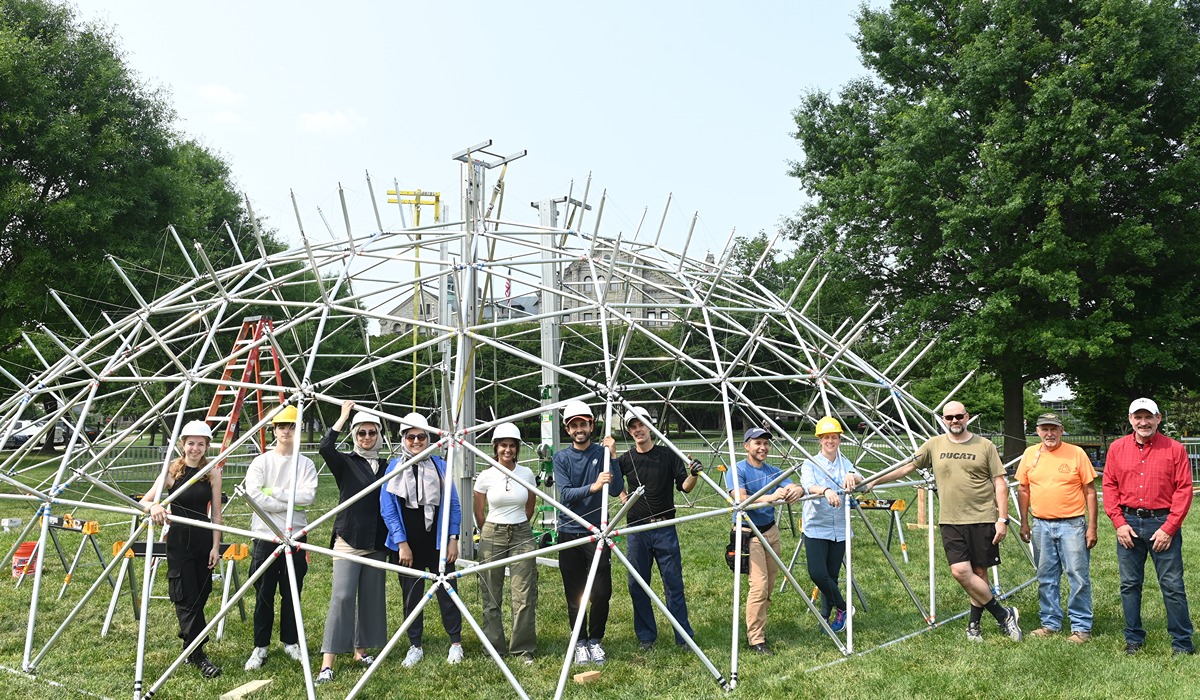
(955, 416)
(417, 437)
(367, 433)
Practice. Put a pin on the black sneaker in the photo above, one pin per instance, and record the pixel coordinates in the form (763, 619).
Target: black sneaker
(762, 648)
(1132, 648)
(206, 667)
(646, 646)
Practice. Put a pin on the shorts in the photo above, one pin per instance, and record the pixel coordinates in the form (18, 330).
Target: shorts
(971, 543)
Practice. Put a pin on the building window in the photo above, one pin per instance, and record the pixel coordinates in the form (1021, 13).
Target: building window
(587, 317)
(650, 316)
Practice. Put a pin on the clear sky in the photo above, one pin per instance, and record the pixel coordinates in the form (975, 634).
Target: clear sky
(652, 98)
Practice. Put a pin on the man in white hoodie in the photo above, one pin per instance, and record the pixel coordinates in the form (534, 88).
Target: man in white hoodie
(270, 481)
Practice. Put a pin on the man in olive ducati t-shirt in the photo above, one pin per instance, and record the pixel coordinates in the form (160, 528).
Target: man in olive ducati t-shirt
(973, 516)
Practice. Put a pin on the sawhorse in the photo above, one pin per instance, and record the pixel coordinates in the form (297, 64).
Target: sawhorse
(231, 554)
(89, 529)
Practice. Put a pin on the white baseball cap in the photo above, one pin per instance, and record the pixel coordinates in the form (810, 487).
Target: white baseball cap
(1143, 404)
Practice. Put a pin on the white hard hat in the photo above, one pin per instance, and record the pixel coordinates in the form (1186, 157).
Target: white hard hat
(414, 420)
(574, 409)
(363, 417)
(638, 413)
(506, 431)
(196, 428)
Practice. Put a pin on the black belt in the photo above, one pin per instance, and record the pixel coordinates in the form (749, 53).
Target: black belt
(662, 519)
(1073, 517)
(1146, 512)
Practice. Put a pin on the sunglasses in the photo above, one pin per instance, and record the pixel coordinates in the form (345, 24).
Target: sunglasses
(417, 437)
(367, 433)
(955, 416)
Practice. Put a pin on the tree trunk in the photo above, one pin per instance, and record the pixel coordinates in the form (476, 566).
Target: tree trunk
(1013, 386)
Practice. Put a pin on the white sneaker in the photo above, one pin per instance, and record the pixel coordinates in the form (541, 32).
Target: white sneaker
(581, 654)
(325, 676)
(596, 652)
(455, 655)
(292, 650)
(257, 658)
(413, 657)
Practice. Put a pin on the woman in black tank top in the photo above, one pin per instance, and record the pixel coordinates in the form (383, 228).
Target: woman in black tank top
(193, 551)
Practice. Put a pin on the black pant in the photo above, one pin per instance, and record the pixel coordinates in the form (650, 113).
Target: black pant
(189, 580)
(275, 577)
(824, 564)
(425, 558)
(573, 565)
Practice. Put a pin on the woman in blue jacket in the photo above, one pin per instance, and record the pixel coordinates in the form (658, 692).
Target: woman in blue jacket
(411, 505)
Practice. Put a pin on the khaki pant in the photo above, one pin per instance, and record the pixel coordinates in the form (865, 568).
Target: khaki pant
(763, 571)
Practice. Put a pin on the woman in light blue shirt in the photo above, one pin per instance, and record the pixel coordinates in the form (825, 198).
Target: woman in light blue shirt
(827, 474)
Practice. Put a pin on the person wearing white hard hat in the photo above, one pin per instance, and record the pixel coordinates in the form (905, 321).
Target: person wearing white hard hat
(581, 479)
(661, 471)
(270, 480)
(506, 532)
(192, 551)
(357, 618)
(1147, 488)
(411, 505)
(827, 474)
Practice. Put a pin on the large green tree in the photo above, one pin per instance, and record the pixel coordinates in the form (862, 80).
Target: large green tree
(1018, 178)
(90, 166)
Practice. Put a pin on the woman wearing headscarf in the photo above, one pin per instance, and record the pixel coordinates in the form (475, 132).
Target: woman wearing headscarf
(192, 552)
(507, 532)
(358, 530)
(411, 505)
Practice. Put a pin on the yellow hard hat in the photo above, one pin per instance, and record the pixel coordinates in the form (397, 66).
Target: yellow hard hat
(287, 415)
(828, 425)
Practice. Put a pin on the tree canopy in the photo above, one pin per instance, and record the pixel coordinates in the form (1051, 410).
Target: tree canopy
(90, 166)
(1017, 179)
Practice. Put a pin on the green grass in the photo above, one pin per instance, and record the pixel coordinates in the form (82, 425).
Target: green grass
(939, 664)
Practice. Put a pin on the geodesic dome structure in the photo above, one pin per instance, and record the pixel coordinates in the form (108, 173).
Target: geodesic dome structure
(471, 322)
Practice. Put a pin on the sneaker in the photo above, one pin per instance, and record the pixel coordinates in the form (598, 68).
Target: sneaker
(207, 668)
(1043, 632)
(325, 676)
(838, 623)
(365, 661)
(646, 645)
(257, 658)
(581, 654)
(1080, 637)
(762, 648)
(292, 650)
(1132, 648)
(526, 659)
(1011, 625)
(596, 652)
(1174, 652)
(456, 654)
(974, 633)
(413, 657)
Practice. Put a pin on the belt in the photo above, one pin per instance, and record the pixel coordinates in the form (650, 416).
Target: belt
(662, 519)
(1073, 517)
(1146, 512)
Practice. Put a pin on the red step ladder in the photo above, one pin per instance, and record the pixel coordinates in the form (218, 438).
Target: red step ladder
(247, 368)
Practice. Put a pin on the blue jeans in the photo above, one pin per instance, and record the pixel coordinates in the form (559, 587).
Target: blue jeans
(662, 546)
(1169, 566)
(1060, 546)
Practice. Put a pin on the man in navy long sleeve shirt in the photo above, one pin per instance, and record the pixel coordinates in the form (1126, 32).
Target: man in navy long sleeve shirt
(581, 473)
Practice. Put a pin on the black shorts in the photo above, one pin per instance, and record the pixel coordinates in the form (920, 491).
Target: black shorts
(971, 543)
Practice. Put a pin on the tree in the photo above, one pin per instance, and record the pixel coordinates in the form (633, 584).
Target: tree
(90, 166)
(1018, 180)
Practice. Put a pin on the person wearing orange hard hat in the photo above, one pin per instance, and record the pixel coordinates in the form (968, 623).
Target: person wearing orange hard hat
(830, 475)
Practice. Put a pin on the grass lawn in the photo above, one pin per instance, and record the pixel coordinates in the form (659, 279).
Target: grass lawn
(938, 664)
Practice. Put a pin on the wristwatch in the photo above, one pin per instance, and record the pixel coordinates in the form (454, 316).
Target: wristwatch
(1002, 520)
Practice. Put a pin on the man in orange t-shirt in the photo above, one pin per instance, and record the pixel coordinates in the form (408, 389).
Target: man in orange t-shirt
(1056, 481)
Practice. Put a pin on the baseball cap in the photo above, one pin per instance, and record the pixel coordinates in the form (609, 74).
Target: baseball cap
(1143, 404)
(1049, 419)
(755, 433)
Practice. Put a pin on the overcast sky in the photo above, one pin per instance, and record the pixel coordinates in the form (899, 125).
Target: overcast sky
(652, 98)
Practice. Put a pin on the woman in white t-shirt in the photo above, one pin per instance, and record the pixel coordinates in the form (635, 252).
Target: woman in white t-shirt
(506, 532)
